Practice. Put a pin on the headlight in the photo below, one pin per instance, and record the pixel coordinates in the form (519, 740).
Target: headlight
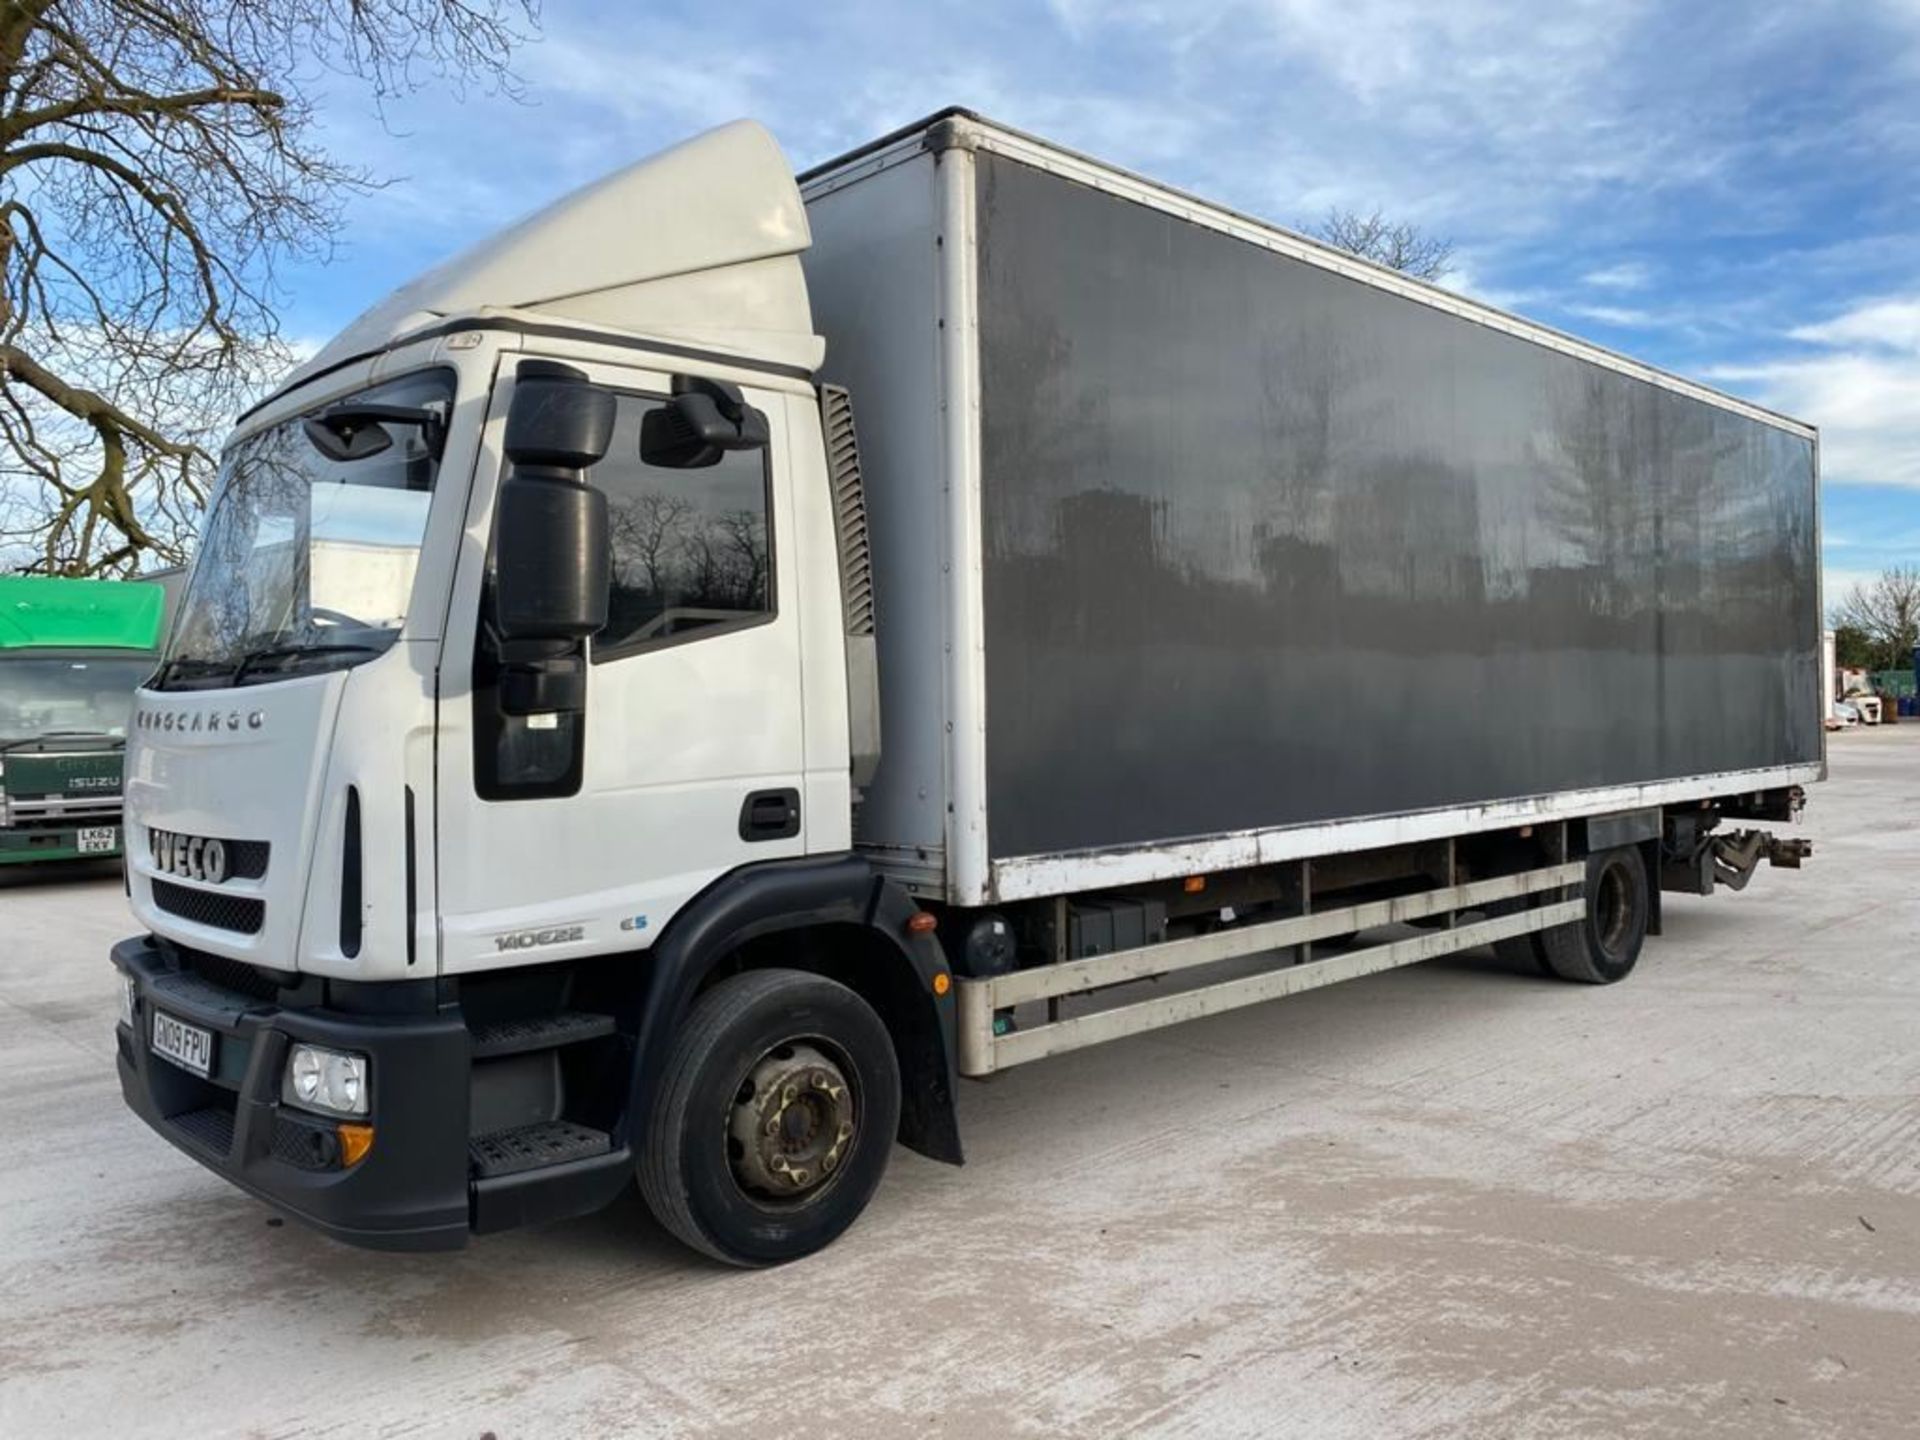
(329, 1081)
(128, 993)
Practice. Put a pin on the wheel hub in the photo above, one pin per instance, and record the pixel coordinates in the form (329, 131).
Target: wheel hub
(792, 1123)
(1612, 908)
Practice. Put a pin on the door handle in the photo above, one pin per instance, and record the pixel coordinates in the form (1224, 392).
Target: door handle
(770, 815)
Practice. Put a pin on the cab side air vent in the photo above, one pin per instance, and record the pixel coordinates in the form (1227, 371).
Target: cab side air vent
(856, 583)
(849, 507)
(350, 878)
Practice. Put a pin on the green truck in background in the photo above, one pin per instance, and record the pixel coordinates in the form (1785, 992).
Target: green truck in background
(72, 652)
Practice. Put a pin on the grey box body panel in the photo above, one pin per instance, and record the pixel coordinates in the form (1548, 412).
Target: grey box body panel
(1265, 546)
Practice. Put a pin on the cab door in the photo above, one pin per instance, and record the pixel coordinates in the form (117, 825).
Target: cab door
(567, 834)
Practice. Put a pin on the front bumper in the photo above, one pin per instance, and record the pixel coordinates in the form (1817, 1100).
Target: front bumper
(23, 844)
(410, 1190)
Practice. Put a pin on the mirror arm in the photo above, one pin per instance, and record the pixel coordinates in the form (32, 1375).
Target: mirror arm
(553, 685)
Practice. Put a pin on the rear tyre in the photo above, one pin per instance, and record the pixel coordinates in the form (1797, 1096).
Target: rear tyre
(1522, 952)
(1603, 948)
(774, 1118)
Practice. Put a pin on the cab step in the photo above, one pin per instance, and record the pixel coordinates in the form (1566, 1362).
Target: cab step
(533, 1147)
(516, 1037)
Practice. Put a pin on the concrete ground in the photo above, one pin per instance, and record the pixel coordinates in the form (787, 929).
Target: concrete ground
(1445, 1201)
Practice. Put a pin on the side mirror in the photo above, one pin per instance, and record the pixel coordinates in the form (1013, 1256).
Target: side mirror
(704, 420)
(550, 560)
(551, 556)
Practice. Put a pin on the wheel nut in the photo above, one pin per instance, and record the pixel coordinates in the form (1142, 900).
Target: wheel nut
(790, 1134)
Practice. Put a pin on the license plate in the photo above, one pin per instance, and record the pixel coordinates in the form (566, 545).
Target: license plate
(187, 1046)
(99, 839)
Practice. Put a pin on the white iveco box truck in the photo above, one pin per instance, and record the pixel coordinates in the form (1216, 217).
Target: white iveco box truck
(576, 759)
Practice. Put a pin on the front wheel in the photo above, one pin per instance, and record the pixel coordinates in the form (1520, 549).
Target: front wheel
(774, 1118)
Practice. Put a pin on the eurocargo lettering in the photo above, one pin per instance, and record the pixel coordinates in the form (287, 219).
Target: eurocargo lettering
(620, 765)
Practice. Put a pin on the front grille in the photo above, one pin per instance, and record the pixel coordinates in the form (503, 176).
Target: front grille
(240, 913)
(200, 993)
(235, 975)
(246, 859)
(211, 1127)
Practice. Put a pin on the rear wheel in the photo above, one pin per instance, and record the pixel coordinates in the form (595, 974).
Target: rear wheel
(774, 1118)
(1522, 952)
(1605, 946)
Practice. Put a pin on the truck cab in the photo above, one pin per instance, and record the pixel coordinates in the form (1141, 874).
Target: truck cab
(72, 652)
(506, 716)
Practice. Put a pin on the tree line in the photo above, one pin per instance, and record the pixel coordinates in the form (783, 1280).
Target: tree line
(1876, 624)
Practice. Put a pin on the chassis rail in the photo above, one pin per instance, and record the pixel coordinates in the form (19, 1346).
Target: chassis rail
(982, 1051)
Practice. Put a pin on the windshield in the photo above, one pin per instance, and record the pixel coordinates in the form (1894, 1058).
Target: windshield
(308, 555)
(81, 695)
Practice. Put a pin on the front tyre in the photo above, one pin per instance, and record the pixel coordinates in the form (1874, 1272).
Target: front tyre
(774, 1118)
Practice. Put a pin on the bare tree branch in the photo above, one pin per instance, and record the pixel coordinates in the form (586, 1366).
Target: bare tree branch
(1397, 245)
(157, 162)
(1887, 613)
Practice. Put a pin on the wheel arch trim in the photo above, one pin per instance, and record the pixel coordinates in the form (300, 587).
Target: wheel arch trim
(795, 896)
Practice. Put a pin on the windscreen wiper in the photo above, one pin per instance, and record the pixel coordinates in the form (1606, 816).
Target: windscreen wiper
(254, 659)
(45, 735)
(180, 663)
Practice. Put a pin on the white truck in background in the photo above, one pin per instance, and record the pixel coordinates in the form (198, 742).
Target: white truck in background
(576, 758)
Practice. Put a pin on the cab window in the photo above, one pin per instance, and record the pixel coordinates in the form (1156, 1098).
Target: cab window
(692, 549)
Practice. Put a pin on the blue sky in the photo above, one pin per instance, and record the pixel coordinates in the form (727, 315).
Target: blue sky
(1726, 190)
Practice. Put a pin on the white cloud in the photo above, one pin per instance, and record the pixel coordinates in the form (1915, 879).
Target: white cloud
(1589, 157)
(1837, 580)
(1623, 316)
(1627, 275)
(1488, 113)
(1467, 277)
(1882, 325)
(1494, 121)
(727, 83)
(1897, 540)
(1862, 389)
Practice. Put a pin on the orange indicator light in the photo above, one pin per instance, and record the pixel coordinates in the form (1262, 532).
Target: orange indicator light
(355, 1142)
